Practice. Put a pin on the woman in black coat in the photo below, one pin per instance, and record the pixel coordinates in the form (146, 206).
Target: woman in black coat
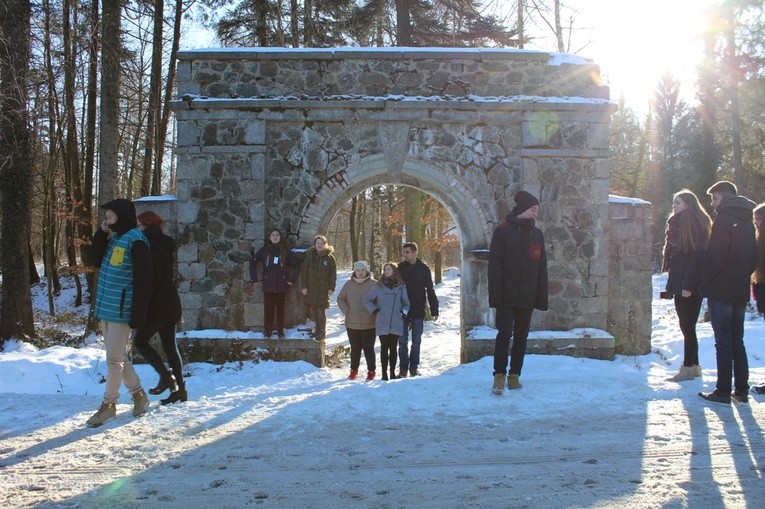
(280, 271)
(164, 311)
(688, 230)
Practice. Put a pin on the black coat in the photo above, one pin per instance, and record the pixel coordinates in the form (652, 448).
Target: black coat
(419, 286)
(731, 255)
(164, 303)
(517, 265)
(276, 271)
(683, 267)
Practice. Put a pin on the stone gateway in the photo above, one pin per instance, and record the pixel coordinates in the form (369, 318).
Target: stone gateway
(285, 137)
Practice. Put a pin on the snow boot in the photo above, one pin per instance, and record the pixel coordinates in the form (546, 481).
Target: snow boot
(179, 395)
(499, 384)
(513, 382)
(353, 375)
(370, 375)
(140, 402)
(741, 398)
(166, 381)
(697, 371)
(106, 412)
(685, 373)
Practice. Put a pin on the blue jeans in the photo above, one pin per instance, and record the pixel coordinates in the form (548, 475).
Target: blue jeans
(410, 360)
(728, 326)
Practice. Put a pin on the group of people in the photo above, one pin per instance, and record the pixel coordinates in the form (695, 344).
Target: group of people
(390, 308)
(723, 261)
(136, 298)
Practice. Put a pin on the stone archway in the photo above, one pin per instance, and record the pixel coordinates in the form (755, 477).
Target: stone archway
(284, 137)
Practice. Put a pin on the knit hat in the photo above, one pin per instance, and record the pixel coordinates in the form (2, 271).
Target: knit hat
(361, 265)
(524, 201)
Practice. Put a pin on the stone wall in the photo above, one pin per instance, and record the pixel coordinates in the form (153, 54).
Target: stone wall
(270, 138)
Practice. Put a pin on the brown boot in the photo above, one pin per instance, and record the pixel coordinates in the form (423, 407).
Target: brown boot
(106, 412)
(140, 403)
(499, 384)
(513, 382)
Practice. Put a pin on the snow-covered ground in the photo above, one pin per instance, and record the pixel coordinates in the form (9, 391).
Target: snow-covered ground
(581, 432)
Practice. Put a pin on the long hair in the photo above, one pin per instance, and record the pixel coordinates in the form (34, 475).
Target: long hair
(282, 245)
(694, 221)
(395, 277)
(759, 273)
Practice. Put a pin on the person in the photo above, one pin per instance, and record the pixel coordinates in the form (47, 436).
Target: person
(758, 278)
(419, 286)
(730, 259)
(687, 235)
(319, 279)
(389, 302)
(517, 285)
(122, 297)
(359, 322)
(280, 272)
(164, 311)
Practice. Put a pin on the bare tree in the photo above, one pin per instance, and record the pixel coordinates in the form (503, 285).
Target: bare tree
(108, 175)
(16, 167)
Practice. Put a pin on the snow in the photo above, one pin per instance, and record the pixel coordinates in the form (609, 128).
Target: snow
(580, 433)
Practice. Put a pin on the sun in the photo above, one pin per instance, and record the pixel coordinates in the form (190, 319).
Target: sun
(635, 43)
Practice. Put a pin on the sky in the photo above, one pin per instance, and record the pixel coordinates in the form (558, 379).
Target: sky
(580, 433)
(634, 42)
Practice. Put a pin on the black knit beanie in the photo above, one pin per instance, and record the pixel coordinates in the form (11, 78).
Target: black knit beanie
(523, 202)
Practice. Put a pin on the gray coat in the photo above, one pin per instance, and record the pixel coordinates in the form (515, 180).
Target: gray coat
(389, 305)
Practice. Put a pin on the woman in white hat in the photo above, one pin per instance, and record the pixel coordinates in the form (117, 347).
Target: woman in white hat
(359, 322)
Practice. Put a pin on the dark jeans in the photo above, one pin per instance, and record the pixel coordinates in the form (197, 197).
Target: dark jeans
(728, 326)
(363, 339)
(410, 360)
(688, 309)
(273, 303)
(511, 323)
(166, 331)
(388, 344)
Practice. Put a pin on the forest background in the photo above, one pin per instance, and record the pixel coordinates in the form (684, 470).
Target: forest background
(84, 116)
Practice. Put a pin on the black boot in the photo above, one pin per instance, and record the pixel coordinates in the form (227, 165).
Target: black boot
(166, 381)
(179, 394)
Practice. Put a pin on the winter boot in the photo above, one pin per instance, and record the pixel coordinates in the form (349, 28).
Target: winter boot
(393, 375)
(140, 402)
(697, 371)
(685, 373)
(739, 397)
(166, 381)
(402, 373)
(353, 375)
(178, 395)
(499, 384)
(513, 382)
(370, 375)
(106, 412)
(715, 397)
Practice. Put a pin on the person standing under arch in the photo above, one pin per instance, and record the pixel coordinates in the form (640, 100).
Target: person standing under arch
(389, 302)
(359, 322)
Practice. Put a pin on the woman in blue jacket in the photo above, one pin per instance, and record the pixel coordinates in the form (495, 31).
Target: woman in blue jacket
(280, 271)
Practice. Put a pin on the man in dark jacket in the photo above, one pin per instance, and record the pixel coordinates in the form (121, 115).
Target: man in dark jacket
(419, 286)
(517, 285)
(730, 259)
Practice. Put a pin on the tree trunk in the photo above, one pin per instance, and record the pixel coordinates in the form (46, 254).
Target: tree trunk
(16, 167)
(413, 215)
(73, 182)
(261, 8)
(294, 24)
(558, 28)
(307, 23)
(162, 128)
(732, 65)
(108, 174)
(153, 110)
(352, 233)
(521, 8)
(376, 241)
(403, 23)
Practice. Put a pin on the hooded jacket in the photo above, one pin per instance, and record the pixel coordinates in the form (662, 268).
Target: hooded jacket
(124, 282)
(731, 255)
(319, 276)
(517, 265)
(164, 304)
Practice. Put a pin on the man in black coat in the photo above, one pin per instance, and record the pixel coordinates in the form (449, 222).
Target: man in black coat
(517, 285)
(730, 259)
(419, 287)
